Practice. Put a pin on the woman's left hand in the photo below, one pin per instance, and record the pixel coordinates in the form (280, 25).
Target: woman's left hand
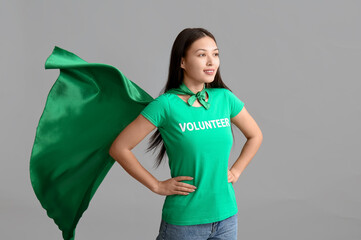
(232, 177)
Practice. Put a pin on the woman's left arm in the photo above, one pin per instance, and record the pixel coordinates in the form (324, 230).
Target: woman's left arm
(248, 126)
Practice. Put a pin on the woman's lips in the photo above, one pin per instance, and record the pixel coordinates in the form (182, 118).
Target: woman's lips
(209, 71)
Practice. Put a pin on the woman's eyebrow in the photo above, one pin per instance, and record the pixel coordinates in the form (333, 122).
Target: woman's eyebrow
(201, 49)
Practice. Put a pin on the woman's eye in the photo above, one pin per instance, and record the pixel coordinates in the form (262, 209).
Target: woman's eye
(203, 54)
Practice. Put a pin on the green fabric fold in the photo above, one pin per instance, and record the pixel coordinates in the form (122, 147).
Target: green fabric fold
(86, 108)
(184, 90)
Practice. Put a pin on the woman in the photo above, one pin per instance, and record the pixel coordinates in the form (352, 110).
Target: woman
(193, 117)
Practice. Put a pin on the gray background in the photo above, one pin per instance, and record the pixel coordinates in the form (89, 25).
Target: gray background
(295, 64)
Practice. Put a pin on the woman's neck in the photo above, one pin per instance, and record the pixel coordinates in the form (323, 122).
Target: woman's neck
(194, 86)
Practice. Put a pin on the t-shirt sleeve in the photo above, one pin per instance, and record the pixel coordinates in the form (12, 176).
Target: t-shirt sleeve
(235, 104)
(156, 111)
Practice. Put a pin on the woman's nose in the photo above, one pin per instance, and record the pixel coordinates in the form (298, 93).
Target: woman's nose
(209, 61)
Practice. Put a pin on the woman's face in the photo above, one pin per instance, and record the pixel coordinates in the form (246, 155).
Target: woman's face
(201, 61)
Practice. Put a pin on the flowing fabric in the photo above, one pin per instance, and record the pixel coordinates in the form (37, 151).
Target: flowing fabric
(86, 108)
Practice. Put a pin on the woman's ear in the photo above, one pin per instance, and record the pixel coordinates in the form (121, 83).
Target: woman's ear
(182, 63)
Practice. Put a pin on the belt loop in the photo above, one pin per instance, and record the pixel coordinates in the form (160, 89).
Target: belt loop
(214, 225)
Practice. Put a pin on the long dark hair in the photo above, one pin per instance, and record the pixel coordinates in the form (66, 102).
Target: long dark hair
(175, 77)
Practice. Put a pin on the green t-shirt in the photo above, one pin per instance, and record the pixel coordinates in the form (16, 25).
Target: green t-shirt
(198, 144)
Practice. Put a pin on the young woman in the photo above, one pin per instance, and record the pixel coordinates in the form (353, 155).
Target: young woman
(193, 117)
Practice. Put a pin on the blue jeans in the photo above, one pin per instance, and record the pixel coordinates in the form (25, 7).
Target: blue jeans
(221, 230)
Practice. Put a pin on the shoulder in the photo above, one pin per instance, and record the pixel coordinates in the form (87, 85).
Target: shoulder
(226, 92)
(227, 95)
(220, 91)
(160, 102)
(162, 98)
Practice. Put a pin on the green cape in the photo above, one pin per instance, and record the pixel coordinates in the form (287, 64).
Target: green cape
(86, 108)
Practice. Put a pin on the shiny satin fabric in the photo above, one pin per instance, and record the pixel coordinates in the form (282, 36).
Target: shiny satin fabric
(184, 90)
(86, 108)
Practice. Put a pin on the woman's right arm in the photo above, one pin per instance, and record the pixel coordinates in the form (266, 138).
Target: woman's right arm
(121, 148)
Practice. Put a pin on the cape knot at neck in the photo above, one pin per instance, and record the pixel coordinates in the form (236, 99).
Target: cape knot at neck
(201, 95)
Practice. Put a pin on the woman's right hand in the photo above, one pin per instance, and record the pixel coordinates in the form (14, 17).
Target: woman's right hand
(174, 186)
